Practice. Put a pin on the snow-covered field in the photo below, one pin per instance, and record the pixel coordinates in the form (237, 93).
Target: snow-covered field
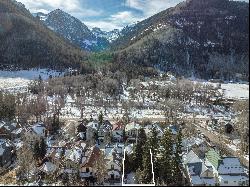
(19, 80)
(236, 91)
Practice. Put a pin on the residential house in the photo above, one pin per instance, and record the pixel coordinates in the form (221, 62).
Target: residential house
(88, 160)
(39, 129)
(188, 143)
(117, 132)
(104, 130)
(92, 128)
(199, 173)
(6, 129)
(6, 152)
(74, 155)
(174, 130)
(201, 149)
(232, 173)
(48, 168)
(113, 156)
(16, 133)
(148, 130)
(132, 130)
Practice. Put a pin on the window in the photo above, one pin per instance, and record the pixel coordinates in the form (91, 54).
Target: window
(112, 166)
(87, 170)
(225, 182)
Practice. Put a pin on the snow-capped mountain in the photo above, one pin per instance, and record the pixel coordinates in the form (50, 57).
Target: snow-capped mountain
(28, 43)
(110, 36)
(73, 29)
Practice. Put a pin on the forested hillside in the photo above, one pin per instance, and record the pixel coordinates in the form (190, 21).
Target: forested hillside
(202, 38)
(27, 42)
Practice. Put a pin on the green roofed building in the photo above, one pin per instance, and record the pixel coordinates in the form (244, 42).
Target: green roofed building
(213, 157)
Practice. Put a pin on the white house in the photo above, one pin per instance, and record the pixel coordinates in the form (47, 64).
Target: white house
(132, 130)
(114, 170)
(232, 173)
(113, 156)
(148, 130)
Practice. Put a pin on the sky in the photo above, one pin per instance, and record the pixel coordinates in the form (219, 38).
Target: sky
(105, 14)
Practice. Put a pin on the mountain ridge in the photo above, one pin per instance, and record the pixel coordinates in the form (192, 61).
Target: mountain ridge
(27, 42)
(196, 38)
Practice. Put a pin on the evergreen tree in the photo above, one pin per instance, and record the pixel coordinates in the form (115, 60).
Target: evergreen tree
(146, 176)
(153, 142)
(43, 148)
(36, 150)
(138, 149)
(128, 164)
(154, 146)
(177, 158)
(55, 124)
(100, 119)
(95, 137)
(166, 162)
(142, 137)
(124, 137)
(40, 149)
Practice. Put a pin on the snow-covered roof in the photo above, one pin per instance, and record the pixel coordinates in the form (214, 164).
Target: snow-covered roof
(39, 129)
(132, 126)
(81, 134)
(48, 167)
(234, 178)
(93, 125)
(191, 157)
(173, 129)
(74, 155)
(230, 165)
(18, 143)
(189, 142)
(149, 128)
(17, 131)
(2, 123)
(8, 127)
(196, 180)
(69, 99)
(3, 145)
